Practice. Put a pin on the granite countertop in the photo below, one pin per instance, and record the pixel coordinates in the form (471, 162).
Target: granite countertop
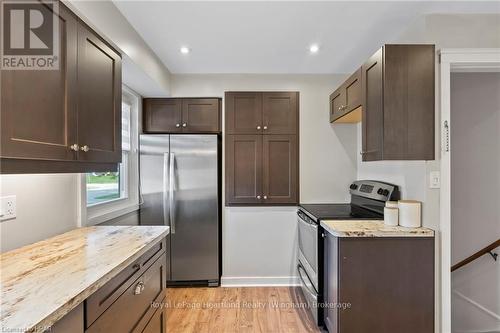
(371, 228)
(42, 282)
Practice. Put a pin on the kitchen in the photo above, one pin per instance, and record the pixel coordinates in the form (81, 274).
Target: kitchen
(258, 241)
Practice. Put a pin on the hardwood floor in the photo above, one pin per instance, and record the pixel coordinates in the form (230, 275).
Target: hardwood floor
(217, 310)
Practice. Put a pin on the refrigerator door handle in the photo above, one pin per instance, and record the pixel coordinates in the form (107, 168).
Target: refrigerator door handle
(171, 192)
(165, 188)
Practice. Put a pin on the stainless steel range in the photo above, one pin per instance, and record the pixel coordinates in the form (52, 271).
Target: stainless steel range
(367, 202)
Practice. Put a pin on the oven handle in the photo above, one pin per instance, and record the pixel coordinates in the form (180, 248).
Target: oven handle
(312, 224)
(300, 269)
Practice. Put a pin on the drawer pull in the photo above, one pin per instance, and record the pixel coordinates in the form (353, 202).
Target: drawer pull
(139, 288)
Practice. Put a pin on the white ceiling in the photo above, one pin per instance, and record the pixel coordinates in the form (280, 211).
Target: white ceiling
(274, 37)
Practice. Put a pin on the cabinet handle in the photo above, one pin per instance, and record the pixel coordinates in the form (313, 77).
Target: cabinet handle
(177, 125)
(265, 127)
(184, 125)
(139, 288)
(265, 197)
(447, 138)
(85, 148)
(258, 197)
(258, 127)
(340, 108)
(74, 147)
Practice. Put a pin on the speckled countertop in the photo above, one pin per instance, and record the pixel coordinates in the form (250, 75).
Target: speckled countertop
(42, 282)
(371, 228)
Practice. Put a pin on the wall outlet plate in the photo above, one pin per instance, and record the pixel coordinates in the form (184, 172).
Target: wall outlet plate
(7, 207)
(435, 179)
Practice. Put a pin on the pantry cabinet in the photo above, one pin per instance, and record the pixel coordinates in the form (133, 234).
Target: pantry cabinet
(392, 94)
(262, 152)
(182, 115)
(66, 119)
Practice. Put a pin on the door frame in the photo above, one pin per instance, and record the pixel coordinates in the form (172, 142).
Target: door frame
(453, 60)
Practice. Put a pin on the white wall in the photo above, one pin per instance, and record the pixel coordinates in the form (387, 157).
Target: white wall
(46, 206)
(143, 71)
(258, 243)
(475, 209)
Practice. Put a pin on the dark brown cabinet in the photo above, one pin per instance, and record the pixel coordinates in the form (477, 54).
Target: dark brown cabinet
(38, 106)
(201, 115)
(280, 176)
(182, 115)
(243, 112)
(262, 148)
(279, 112)
(64, 120)
(99, 99)
(162, 115)
(373, 108)
(346, 99)
(157, 323)
(395, 89)
(379, 285)
(244, 169)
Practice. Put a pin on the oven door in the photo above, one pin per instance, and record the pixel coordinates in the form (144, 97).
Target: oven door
(308, 247)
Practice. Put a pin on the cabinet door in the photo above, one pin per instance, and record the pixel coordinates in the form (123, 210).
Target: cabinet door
(373, 108)
(99, 100)
(280, 169)
(243, 169)
(38, 118)
(162, 115)
(243, 112)
(280, 112)
(331, 282)
(201, 115)
(336, 104)
(352, 91)
(158, 323)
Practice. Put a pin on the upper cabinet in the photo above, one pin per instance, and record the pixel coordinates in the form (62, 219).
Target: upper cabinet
(262, 148)
(346, 99)
(181, 115)
(99, 99)
(243, 112)
(64, 120)
(394, 90)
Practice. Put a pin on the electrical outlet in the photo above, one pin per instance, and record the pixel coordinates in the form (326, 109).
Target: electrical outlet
(7, 207)
(434, 179)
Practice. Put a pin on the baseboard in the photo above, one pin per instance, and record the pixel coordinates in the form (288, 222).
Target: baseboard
(259, 281)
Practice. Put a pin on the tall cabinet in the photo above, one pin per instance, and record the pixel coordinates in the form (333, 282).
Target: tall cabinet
(262, 154)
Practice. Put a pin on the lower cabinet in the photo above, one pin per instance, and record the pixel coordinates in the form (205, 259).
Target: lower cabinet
(379, 285)
(133, 301)
(157, 323)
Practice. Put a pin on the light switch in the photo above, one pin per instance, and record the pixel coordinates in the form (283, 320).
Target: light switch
(435, 179)
(7, 207)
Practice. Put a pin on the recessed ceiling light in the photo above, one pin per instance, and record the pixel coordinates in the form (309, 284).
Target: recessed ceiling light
(185, 50)
(314, 48)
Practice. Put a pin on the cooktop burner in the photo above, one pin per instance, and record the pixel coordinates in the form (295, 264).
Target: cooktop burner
(338, 212)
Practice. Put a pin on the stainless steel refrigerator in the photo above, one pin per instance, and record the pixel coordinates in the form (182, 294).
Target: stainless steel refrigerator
(180, 187)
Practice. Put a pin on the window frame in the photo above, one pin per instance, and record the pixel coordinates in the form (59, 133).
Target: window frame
(100, 212)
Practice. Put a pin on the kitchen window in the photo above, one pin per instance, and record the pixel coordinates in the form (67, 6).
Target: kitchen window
(106, 195)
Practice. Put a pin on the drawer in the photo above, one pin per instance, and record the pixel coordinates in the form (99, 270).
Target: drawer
(132, 309)
(99, 301)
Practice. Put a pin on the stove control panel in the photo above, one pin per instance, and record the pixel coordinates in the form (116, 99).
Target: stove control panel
(374, 190)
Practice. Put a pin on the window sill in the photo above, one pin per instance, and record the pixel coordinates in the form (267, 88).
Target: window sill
(106, 215)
